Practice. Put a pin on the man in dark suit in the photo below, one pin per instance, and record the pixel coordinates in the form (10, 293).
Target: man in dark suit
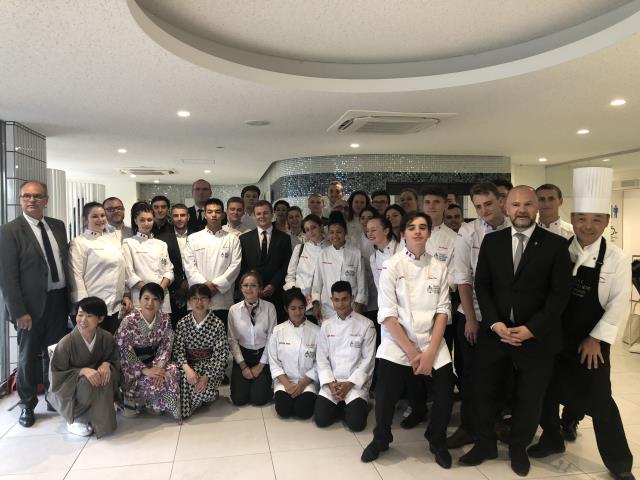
(267, 251)
(176, 239)
(523, 284)
(201, 192)
(33, 262)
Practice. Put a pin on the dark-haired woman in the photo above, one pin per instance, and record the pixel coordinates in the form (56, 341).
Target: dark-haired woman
(147, 258)
(292, 359)
(394, 214)
(145, 339)
(98, 267)
(358, 201)
(409, 200)
(280, 209)
(200, 350)
(85, 373)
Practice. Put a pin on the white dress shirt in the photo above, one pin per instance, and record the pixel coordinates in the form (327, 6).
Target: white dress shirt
(378, 257)
(55, 248)
(292, 352)
(525, 241)
(97, 269)
(213, 257)
(559, 227)
(243, 333)
(614, 288)
(182, 240)
(346, 350)
(414, 290)
(147, 261)
(261, 236)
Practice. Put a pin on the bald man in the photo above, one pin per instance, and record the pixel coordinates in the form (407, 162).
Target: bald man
(201, 192)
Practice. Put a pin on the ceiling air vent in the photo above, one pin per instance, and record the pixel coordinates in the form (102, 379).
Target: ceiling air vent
(635, 183)
(387, 123)
(140, 171)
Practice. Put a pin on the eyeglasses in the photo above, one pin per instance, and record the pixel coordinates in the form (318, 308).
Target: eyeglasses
(249, 285)
(114, 209)
(199, 299)
(29, 196)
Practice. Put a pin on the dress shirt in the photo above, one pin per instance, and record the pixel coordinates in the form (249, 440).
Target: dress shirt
(213, 257)
(614, 288)
(242, 332)
(33, 223)
(559, 227)
(182, 240)
(414, 290)
(525, 241)
(269, 233)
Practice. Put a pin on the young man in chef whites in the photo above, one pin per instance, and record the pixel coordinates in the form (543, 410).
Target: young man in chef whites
(414, 308)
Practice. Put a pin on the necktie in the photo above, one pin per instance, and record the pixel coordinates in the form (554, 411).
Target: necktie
(253, 309)
(51, 259)
(519, 249)
(199, 215)
(263, 246)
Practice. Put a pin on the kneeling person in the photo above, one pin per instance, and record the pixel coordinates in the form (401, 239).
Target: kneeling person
(345, 360)
(85, 372)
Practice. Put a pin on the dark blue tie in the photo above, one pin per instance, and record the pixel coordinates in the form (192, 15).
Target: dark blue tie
(51, 259)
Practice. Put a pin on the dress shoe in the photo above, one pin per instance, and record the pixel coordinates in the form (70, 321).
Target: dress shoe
(520, 463)
(477, 455)
(442, 455)
(544, 449)
(460, 438)
(412, 420)
(569, 430)
(623, 476)
(27, 418)
(372, 451)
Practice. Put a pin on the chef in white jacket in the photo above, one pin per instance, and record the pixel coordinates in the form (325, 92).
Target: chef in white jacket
(212, 256)
(338, 262)
(385, 246)
(147, 258)
(292, 359)
(414, 310)
(345, 360)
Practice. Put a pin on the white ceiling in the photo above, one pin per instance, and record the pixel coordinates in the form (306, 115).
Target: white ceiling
(87, 76)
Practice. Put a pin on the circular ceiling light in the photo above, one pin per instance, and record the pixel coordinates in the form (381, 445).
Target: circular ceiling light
(207, 171)
(183, 113)
(122, 150)
(542, 159)
(617, 102)
(355, 145)
(257, 123)
(132, 176)
(606, 159)
(583, 131)
(156, 181)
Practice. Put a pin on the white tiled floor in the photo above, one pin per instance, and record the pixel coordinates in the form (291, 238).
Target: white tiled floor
(225, 442)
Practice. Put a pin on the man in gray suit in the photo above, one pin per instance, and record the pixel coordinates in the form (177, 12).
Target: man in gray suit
(33, 262)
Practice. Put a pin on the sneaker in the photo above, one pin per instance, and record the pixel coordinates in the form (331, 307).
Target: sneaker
(80, 429)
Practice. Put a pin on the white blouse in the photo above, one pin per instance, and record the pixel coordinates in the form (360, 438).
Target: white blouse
(243, 333)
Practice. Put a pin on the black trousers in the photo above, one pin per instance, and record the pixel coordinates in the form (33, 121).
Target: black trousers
(111, 323)
(257, 391)
(392, 380)
(222, 315)
(299, 407)
(494, 363)
(45, 331)
(464, 362)
(373, 316)
(354, 413)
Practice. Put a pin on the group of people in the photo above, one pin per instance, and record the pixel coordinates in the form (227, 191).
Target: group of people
(359, 299)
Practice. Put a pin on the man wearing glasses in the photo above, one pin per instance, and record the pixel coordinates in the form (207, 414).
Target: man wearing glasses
(114, 209)
(33, 292)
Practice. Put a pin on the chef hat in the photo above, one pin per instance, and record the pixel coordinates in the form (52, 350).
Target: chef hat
(592, 187)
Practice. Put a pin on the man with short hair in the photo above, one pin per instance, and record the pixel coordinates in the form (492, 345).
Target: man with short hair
(33, 290)
(315, 203)
(176, 239)
(213, 256)
(335, 192)
(504, 187)
(380, 200)
(453, 217)
(201, 192)
(250, 196)
(115, 212)
(550, 200)
(235, 212)
(161, 224)
(451, 199)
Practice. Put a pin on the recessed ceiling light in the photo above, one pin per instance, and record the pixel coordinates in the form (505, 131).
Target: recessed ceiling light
(122, 150)
(184, 113)
(17, 166)
(156, 181)
(257, 123)
(207, 171)
(583, 131)
(542, 159)
(617, 102)
(132, 175)
(355, 145)
(606, 159)
(219, 147)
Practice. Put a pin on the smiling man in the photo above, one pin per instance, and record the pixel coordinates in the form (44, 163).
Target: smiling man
(550, 201)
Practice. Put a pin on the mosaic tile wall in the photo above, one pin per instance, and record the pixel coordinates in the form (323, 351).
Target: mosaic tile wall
(178, 193)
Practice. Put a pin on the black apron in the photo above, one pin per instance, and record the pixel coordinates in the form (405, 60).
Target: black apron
(578, 386)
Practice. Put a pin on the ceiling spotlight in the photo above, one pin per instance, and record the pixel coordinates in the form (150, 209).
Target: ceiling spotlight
(122, 150)
(617, 102)
(257, 123)
(132, 175)
(355, 145)
(606, 159)
(542, 159)
(583, 131)
(17, 166)
(156, 181)
(184, 113)
(207, 171)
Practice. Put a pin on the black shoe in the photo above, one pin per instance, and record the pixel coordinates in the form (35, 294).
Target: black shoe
(623, 476)
(544, 449)
(460, 438)
(503, 431)
(569, 430)
(372, 451)
(520, 463)
(412, 420)
(50, 408)
(225, 380)
(27, 418)
(443, 457)
(477, 455)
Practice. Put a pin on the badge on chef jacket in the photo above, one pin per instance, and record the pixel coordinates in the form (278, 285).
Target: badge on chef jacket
(224, 254)
(311, 352)
(349, 272)
(356, 343)
(433, 289)
(163, 261)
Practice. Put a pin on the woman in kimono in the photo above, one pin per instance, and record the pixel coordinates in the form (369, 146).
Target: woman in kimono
(98, 267)
(201, 350)
(251, 322)
(85, 373)
(147, 258)
(144, 339)
(292, 358)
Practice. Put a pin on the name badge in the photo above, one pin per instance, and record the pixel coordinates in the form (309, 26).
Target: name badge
(433, 289)
(356, 343)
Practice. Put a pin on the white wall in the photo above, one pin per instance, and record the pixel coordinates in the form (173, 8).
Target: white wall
(124, 189)
(631, 221)
(532, 175)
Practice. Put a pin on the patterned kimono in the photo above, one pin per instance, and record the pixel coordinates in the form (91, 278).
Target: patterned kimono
(204, 347)
(142, 345)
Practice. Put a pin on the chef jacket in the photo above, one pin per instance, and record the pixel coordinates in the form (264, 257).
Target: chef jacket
(559, 227)
(302, 266)
(378, 257)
